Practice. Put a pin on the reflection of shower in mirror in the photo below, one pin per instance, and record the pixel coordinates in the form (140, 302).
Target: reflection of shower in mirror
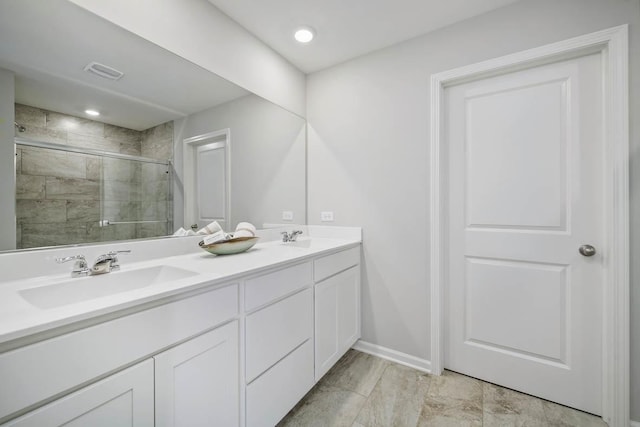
(19, 127)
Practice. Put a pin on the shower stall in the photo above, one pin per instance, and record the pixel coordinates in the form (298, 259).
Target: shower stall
(72, 194)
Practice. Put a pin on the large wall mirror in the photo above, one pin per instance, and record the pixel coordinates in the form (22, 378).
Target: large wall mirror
(162, 122)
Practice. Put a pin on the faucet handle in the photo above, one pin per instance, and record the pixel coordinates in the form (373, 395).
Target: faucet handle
(113, 255)
(80, 267)
(80, 258)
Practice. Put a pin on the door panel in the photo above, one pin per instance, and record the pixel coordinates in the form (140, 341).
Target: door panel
(524, 307)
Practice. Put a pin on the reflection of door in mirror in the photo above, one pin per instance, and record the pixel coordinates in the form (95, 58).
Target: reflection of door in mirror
(207, 179)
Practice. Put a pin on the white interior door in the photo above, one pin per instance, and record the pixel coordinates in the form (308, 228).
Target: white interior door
(524, 307)
(207, 186)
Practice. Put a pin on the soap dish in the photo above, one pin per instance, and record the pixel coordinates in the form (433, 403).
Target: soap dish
(231, 246)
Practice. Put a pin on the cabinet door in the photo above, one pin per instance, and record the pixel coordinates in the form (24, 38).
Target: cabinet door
(197, 382)
(123, 399)
(337, 315)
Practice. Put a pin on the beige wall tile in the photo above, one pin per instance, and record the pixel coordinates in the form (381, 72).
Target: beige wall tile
(121, 191)
(122, 134)
(73, 124)
(121, 170)
(115, 232)
(18, 236)
(155, 190)
(38, 235)
(45, 135)
(18, 160)
(38, 161)
(121, 210)
(83, 210)
(72, 189)
(154, 211)
(29, 187)
(131, 148)
(151, 230)
(95, 142)
(94, 167)
(41, 211)
(30, 116)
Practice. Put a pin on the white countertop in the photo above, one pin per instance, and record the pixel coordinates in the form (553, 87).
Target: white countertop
(20, 319)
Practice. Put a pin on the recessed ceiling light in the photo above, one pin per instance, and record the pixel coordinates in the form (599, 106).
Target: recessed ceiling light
(304, 34)
(92, 112)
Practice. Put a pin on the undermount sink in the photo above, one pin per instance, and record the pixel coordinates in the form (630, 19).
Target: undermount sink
(76, 290)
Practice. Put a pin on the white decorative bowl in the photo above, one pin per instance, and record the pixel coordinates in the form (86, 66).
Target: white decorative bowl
(229, 247)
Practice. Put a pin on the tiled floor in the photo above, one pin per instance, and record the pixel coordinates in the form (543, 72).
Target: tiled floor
(365, 391)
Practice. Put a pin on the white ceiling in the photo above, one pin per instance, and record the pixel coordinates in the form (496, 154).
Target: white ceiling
(47, 44)
(346, 28)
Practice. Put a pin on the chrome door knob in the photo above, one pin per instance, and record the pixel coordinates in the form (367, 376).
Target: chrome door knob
(587, 250)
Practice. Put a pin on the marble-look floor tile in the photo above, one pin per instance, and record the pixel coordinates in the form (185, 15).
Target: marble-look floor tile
(561, 416)
(356, 371)
(397, 399)
(453, 400)
(325, 406)
(505, 407)
(456, 386)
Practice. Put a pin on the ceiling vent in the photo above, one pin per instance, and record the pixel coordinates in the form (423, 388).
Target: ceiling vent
(104, 71)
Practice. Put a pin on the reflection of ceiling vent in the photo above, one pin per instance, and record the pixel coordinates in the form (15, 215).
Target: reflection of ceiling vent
(104, 71)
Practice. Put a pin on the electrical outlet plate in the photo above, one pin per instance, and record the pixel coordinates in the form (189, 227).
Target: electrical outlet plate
(287, 215)
(326, 216)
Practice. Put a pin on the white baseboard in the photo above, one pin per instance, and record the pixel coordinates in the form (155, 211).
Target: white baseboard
(394, 356)
(634, 423)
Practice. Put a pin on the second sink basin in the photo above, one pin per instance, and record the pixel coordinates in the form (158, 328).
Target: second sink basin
(86, 288)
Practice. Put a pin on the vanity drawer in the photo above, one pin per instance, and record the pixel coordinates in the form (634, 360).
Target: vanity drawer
(264, 289)
(274, 331)
(36, 372)
(335, 263)
(276, 392)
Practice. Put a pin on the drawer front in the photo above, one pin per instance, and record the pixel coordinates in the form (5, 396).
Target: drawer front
(335, 263)
(63, 362)
(275, 393)
(274, 331)
(264, 289)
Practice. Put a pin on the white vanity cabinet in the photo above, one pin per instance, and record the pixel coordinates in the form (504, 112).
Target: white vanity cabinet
(337, 307)
(196, 383)
(122, 399)
(241, 353)
(279, 342)
(40, 371)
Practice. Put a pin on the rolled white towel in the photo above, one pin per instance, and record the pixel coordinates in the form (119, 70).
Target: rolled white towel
(216, 237)
(180, 232)
(211, 228)
(245, 229)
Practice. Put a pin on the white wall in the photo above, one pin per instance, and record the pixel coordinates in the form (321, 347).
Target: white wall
(202, 34)
(267, 159)
(7, 161)
(368, 152)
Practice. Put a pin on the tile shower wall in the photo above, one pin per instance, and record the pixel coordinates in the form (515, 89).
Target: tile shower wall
(59, 195)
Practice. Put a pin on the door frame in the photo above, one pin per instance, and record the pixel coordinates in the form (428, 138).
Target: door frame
(190, 146)
(612, 44)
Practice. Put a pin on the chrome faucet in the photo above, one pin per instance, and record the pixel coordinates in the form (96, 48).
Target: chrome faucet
(290, 237)
(107, 263)
(80, 268)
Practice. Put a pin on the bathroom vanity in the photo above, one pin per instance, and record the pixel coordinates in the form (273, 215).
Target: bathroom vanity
(237, 342)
